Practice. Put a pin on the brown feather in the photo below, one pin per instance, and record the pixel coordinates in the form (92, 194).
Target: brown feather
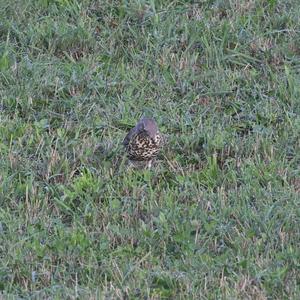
(143, 141)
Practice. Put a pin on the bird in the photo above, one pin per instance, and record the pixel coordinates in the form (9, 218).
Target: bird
(143, 142)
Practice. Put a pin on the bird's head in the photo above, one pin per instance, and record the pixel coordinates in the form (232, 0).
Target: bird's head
(149, 126)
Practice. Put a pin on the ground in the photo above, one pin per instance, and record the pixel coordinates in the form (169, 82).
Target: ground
(217, 216)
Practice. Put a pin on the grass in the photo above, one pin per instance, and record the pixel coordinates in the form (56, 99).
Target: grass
(217, 217)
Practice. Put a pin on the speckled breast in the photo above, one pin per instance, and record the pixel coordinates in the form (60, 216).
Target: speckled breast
(142, 147)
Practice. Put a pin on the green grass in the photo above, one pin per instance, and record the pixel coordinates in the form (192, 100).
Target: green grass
(217, 217)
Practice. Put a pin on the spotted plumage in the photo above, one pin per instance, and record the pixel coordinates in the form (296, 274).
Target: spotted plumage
(143, 141)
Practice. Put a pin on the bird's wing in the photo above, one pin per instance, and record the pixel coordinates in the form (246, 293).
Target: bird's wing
(129, 136)
(133, 131)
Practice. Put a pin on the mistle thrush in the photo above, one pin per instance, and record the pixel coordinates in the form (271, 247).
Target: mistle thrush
(143, 141)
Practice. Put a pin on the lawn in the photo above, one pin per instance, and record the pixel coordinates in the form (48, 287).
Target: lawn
(217, 216)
